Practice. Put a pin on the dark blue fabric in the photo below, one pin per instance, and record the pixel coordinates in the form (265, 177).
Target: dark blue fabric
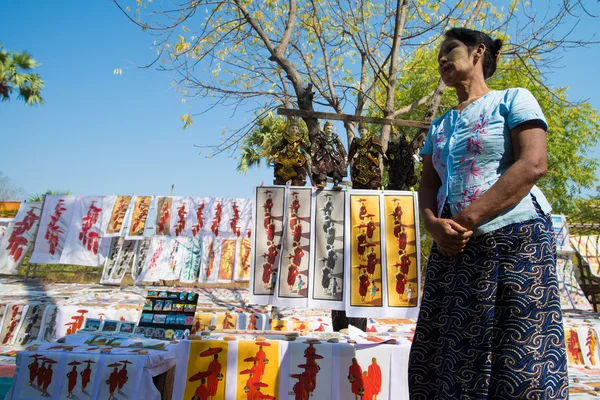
(490, 323)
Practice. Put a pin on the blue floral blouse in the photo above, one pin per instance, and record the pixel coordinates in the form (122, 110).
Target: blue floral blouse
(473, 148)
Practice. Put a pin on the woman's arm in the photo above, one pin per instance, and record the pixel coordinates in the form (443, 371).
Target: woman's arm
(529, 146)
(449, 235)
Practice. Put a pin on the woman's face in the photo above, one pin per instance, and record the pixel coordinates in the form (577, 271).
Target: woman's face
(455, 64)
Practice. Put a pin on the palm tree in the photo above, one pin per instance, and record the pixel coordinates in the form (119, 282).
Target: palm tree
(12, 78)
(39, 197)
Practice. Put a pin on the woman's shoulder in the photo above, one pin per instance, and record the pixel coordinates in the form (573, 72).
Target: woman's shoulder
(517, 93)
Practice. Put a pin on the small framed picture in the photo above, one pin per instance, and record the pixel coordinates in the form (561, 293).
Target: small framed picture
(171, 319)
(158, 305)
(139, 330)
(148, 305)
(191, 296)
(169, 334)
(177, 307)
(127, 327)
(189, 320)
(168, 305)
(152, 293)
(189, 308)
(160, 318)
(182, 295)
(110, 326)
(147, 318)
(92, 325)
(149, 332)
(181, 319)
(178, 334)
(159, 334)
(163, 294)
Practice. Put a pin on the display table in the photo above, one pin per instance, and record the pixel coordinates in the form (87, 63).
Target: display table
(79, 368)
(307, 368)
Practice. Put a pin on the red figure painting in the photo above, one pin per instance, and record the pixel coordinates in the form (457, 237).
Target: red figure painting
(355, 377)
(364, 284)
(86, 375)
(370, 229)
(41, 373)
(181, 213)
(213, 380)
(252, 322)
(47, 377)
(227, 324)
(404, 263)
(16, 242)
(33, 370)
(123, 378)
(197, 227)
(374, 373)
(267, 271)
(297, 232)
(72, 380)
(53, 229)
(292, 274)
(400, 284)
(215, 224)
(113, 380)
(371, 262)
(361, 241)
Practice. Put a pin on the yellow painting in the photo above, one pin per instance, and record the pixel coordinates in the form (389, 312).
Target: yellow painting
(365, 251)
(202, 321)
(206, 377)
(257, 370)
(227, 320)
(243, 260)
(139, 215)
(9, 209)
(117, 217)
(227, 260)
(278, 325)
(401, 250)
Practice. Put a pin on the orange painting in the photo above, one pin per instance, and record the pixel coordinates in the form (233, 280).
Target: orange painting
(257, 370)
(9, 209)
(401, 250)
(227, 260)
(206, 372)
(365, 251)
(117, 217)
(139, 215)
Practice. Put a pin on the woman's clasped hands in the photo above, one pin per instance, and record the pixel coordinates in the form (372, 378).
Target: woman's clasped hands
(450, 236)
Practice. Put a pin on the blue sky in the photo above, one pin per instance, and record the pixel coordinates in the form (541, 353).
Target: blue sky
(83, 138)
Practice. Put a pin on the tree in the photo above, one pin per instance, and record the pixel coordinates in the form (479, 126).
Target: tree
(8, 191)
(12, 77)
(336, 55)
(257, 144)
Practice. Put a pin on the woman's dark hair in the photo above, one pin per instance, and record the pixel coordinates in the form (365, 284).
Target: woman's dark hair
(471, 39)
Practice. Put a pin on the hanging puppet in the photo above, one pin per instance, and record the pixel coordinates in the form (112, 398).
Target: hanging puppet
(288, 156)
(364, 156)
(328, 157)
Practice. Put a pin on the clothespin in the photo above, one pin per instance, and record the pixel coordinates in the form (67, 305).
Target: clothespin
(287, 184)
(382, 189)
(262, 184)
(346, 188)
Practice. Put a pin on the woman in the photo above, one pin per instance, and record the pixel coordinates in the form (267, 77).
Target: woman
(490, 324)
